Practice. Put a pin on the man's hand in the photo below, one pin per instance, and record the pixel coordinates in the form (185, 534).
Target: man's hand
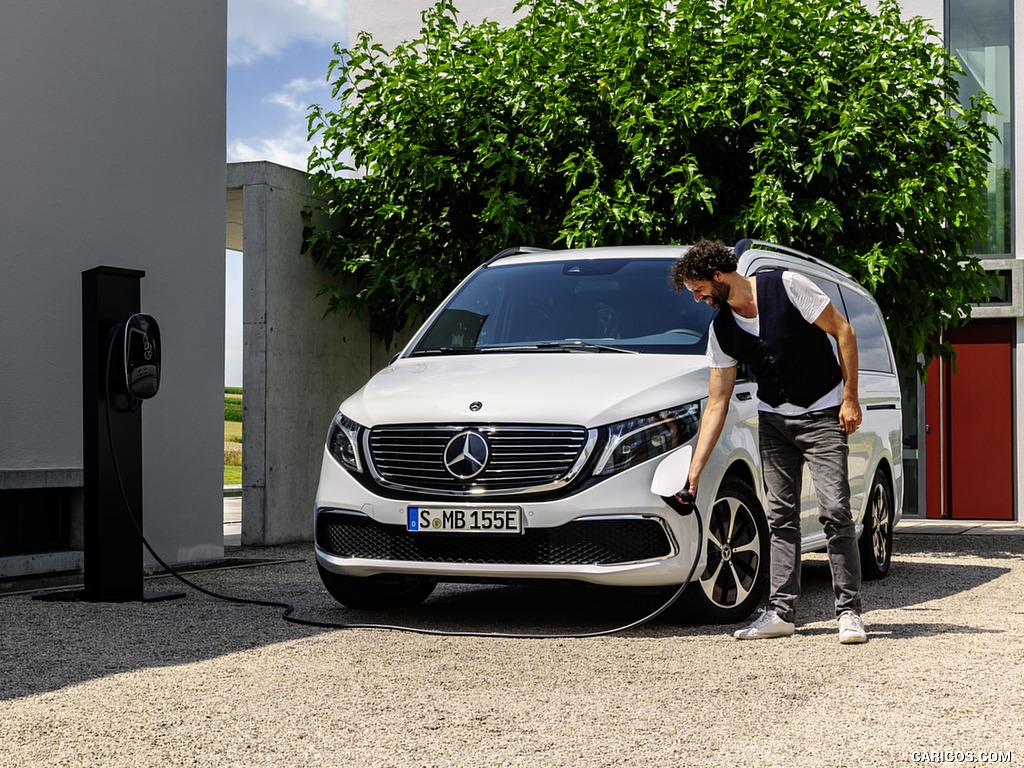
(850, 416)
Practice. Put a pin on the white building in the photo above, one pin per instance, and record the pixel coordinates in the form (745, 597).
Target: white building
(113, 130)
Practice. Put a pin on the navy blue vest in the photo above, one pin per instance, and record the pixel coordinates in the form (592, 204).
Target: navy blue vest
(792, 360)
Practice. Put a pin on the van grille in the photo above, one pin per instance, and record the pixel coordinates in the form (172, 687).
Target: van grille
(521, 458)
(616, 540)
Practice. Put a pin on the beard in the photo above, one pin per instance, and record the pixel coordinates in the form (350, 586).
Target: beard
(719, 295)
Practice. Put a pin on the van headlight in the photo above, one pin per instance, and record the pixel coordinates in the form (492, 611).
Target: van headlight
(634, 441)
(343, 442)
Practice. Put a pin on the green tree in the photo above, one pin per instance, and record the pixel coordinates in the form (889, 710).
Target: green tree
(814, 123)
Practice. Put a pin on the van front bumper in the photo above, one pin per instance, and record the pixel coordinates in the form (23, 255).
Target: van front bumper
(616, 533)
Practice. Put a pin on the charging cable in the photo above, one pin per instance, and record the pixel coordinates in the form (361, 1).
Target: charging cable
(683, 503)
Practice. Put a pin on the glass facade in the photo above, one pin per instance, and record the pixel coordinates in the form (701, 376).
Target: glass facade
(979, 34)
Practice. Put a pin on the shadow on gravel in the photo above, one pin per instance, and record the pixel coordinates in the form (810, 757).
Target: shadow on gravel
(906, 630)
(947, 545)
(47, 646)
(570, 608)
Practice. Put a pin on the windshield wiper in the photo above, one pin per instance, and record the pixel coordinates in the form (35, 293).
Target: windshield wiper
(557, 346)
(540, 346)
(587, 346)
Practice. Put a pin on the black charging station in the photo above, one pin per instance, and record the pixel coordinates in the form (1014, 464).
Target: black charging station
(121, 351)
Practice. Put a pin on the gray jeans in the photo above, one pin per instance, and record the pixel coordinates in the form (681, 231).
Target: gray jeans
(787, 443)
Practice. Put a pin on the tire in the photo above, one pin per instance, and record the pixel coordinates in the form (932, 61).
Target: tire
(734, 581)
(376, 592)
(876, 539)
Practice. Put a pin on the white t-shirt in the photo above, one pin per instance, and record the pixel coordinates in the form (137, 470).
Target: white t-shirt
(810, 301)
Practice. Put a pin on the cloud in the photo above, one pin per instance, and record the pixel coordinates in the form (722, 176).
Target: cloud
(289, 145)
(261, 28)
(298, 94)
(287, 149)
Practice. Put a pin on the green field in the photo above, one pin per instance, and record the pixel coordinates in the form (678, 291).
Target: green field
(232, 434)
(232, 407)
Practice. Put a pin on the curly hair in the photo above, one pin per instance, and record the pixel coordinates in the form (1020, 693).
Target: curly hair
(701, 261)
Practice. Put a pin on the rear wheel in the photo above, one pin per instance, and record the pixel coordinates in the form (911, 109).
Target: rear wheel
(876, 538)
(379, 592)
(734, 580)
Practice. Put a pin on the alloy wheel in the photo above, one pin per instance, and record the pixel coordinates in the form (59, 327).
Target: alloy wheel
(734, 553)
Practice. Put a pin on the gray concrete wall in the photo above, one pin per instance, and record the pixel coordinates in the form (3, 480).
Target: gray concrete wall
(297, 364)
(112, 126)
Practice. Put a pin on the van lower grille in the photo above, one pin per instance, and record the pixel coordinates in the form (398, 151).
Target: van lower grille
(520, 458)
(582, 542)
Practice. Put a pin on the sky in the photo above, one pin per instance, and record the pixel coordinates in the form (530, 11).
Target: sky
(278, 53)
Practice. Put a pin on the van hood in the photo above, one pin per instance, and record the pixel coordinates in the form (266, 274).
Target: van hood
(580, 388)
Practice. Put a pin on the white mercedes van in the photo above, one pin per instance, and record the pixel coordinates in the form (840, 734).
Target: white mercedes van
(516, 437)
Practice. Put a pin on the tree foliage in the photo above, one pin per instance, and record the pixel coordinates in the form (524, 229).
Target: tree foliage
(811, 123)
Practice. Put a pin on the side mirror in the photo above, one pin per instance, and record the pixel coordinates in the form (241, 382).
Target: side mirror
(142, 356)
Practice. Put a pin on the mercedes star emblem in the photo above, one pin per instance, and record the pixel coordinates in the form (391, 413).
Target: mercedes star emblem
(466, 455)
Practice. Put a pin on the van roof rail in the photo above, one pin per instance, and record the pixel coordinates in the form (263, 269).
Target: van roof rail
(762, 245)
(512, 251)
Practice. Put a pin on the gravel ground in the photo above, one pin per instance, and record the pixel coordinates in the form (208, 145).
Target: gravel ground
(202, 682)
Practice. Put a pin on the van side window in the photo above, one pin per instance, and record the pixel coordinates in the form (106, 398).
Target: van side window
(830, 289)
(872, 347)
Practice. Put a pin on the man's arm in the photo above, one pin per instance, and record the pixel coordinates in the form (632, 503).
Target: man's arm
(835, 325)
(720, 386)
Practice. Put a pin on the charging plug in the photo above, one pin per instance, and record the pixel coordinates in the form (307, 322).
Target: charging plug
(681, 502)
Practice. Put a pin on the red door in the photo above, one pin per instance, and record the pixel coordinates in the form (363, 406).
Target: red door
(969, 426)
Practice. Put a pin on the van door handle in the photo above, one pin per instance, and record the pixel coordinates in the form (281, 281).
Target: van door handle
(743, 396)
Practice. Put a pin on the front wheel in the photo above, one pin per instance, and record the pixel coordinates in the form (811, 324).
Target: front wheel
(376, 592)
(876, 539)
(734, 580)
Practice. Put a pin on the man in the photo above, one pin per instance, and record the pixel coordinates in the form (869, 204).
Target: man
(778, 324)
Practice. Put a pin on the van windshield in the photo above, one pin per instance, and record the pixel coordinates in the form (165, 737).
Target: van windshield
(618, 305)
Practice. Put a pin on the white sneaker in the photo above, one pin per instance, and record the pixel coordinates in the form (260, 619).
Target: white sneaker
(851, 628)
(768, 624)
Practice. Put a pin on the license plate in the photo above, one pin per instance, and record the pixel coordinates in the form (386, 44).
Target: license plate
(453, 520)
